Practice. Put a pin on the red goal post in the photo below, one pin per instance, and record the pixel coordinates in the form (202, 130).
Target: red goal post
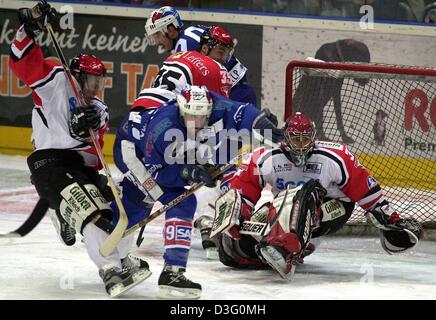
(386, 114)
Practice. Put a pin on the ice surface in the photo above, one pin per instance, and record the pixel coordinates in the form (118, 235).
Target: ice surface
(38, 266)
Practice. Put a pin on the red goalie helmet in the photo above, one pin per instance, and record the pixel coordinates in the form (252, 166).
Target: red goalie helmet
(299, 138)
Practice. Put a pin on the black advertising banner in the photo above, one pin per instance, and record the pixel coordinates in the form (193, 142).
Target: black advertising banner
(120, 43)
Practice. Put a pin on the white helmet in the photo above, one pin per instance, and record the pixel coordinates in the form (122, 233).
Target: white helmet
(160, 19)
(195, 105)
(195, 100)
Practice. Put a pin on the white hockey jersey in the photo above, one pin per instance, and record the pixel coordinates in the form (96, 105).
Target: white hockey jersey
(338, 171)
(53, 99)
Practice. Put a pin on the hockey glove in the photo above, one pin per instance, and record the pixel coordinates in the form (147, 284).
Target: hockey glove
(36, 19)
(196, 174)
(396, 234)
(83, 119)
(266, 124)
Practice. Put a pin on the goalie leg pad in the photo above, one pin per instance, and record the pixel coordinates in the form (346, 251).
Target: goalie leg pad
(227, 212)
(80, 203)
(292, 217)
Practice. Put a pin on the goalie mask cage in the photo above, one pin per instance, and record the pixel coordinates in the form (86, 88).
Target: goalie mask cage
(386, 114)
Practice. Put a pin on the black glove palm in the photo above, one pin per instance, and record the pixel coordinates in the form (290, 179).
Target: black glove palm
(196, 174)
(83, 119)
(266, 124)
(36, 19)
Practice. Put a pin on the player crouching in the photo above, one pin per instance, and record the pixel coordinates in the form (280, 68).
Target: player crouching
(316, 185)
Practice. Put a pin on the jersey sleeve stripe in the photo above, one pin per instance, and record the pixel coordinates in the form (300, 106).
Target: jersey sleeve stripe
(42, 82)
(43, 119)
(182, 68)
(373, 196)
(17, 53)
(156, 96)
(47, 79)
(339, 162)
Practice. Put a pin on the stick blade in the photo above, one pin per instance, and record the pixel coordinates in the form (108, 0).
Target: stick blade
(114, 238)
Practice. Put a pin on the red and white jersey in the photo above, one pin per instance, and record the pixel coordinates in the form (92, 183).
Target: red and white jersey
(153, 98)
(193, 68)
(53, 98)
(332, 164)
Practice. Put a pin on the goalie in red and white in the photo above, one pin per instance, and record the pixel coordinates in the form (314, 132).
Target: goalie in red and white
(316, 185)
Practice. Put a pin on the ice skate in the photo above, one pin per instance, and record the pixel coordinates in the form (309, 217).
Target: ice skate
(118, 281)
(174, 285)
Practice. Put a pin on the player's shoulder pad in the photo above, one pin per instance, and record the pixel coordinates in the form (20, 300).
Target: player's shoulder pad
(262, 154)
(330, 145)
(332, 150)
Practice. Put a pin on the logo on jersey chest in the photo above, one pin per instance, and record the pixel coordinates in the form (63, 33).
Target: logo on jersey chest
(281, 184)
(313, 167)
(282, 167)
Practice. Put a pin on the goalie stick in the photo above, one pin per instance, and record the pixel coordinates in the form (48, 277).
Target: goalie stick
(115, 236)
(31, 222)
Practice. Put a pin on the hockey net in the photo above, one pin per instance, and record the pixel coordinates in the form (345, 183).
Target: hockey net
(386, 114)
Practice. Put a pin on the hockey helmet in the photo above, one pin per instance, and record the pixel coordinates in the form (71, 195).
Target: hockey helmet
(159, 21)
(195, 105)
(216, 35)
(89, 70)
(299, 138)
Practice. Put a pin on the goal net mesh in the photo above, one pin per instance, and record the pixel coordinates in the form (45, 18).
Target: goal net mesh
(386, 115)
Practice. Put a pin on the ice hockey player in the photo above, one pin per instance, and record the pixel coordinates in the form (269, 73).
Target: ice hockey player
(180, 70)
(158, 168)
(64, 166)
(165, 28)
(316, 185)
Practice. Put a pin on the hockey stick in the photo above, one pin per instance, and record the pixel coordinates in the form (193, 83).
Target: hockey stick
(115, 236)
(242, 152)
(31, 222)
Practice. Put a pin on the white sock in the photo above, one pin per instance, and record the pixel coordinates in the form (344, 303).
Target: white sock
(94, 237)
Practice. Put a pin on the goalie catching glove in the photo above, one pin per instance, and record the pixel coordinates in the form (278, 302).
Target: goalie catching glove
(396, 234)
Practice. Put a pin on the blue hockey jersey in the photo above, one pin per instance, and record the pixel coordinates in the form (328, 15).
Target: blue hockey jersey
(155, 132)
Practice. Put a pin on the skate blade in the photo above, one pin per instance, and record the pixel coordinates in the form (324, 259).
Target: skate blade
(212, 254)
(168, 292)
(129, 283)
(276, 261)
